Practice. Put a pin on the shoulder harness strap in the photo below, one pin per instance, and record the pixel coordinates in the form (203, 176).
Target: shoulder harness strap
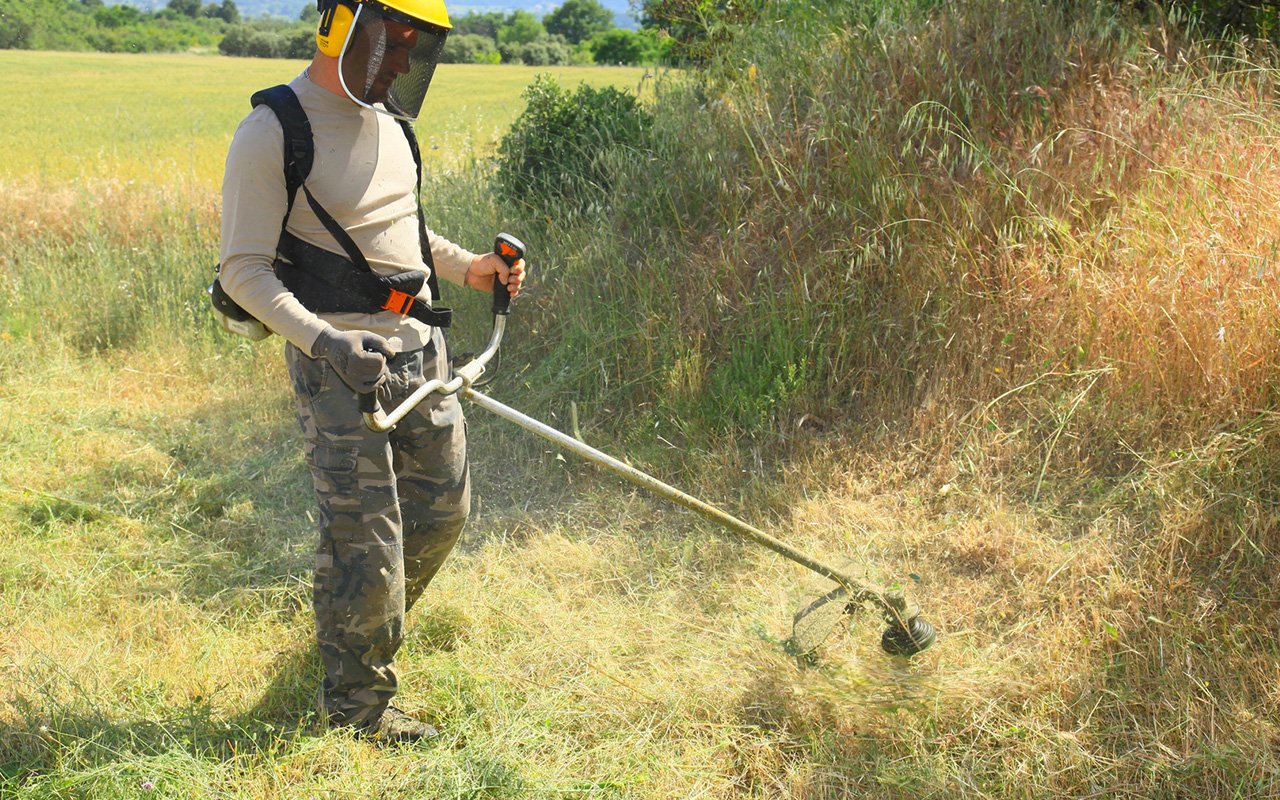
(423, 241)
(299, 153)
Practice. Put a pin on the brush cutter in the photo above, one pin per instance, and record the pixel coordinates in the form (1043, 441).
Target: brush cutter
(906, 635)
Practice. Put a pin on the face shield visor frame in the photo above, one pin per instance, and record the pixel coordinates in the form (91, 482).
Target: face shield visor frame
(388, 59)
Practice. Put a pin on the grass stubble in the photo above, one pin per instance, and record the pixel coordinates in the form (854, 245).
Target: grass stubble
(1108, 623)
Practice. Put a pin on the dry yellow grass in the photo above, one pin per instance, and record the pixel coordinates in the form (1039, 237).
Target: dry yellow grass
(593, 641)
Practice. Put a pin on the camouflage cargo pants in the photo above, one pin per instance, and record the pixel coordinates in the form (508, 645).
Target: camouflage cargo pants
(391, 508)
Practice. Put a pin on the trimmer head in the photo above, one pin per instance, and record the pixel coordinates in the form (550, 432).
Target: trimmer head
(906, 635)
(916, 637)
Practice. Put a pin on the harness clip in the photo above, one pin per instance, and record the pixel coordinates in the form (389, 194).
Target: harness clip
(399, 302)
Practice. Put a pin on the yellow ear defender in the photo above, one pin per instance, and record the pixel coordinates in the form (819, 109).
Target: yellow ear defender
(335, 22)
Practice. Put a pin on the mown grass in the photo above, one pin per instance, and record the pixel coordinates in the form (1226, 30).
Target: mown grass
(1001, 335)
(158, 627)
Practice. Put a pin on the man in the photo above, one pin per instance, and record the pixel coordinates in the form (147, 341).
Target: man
(391, 504)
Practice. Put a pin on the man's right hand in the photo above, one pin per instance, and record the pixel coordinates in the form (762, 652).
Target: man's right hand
(359, 357)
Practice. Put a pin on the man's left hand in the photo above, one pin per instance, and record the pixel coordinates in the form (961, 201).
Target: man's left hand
(483, 268)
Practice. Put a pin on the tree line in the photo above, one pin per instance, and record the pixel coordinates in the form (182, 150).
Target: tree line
(576, 32)
(92, 25)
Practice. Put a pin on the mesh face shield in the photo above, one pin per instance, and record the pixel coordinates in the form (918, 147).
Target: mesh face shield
(388, 59)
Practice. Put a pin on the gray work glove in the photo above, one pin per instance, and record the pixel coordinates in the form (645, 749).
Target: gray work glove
(359, 357)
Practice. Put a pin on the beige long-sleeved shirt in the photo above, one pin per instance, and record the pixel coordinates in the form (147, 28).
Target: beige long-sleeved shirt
(363, 175)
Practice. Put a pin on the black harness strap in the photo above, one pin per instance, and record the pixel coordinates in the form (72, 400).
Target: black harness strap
(299, 150)
(324, 281)
(315, 275)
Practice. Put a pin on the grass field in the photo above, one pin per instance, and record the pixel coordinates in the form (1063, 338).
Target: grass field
(1003, 336)
(93, 117)
(157, 629)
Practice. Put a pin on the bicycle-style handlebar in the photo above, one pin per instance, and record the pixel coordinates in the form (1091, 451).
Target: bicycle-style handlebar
(511, 250)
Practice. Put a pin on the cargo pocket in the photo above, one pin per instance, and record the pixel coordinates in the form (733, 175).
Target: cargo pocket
(309, 374)
(329, 458)
(404, 375)
(333, 470)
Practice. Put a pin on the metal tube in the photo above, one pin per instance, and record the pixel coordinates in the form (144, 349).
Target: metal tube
(465, 375)
(856, 588)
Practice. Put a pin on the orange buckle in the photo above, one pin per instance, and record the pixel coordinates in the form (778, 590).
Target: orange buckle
(398, 302)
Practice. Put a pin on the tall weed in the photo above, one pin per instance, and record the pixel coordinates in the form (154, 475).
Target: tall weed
(1030, 241)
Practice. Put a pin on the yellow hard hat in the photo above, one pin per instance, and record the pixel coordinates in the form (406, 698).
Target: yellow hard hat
(336, 17)
(430, 11)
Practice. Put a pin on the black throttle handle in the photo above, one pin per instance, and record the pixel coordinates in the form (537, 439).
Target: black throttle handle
(510, 250)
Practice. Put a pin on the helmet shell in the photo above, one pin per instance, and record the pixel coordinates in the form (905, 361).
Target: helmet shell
(336, 17)
(432, 12)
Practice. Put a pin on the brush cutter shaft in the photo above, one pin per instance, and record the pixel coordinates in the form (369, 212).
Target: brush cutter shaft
(857, 590)
(900, 615)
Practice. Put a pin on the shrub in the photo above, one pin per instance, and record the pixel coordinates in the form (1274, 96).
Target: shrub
(470, 48)
(582, 55)
(15, 35)
(556, 151)
(543, 52)
(299, 43)
(620, 46)
(242, 40)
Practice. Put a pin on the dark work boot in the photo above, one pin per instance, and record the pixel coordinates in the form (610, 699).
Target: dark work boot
(396, 726)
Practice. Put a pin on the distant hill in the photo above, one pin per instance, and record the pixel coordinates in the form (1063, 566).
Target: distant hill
(291, 8)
